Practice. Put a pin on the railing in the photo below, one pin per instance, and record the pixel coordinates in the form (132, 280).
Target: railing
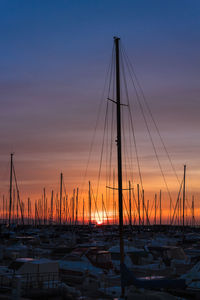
(28, 281)
(47, 280)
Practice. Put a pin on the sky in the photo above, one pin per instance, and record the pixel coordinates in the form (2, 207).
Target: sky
(53, 61)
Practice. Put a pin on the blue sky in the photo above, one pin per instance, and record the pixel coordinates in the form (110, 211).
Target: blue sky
(53, 59)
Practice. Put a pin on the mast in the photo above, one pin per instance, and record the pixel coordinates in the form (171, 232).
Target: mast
(28, 211)
(113, 196)
(35, 212)
(89, 204)
(102, 210)
(143, 206)
(44, 196)
(193, 219)
(155, 208)
(119, 152)
(61, 179)
(138, 192)
(11, 175)
(66, 200)
(77, 206)
(73, 199)
(83, 211)
(160, 209)
(13, 206)
(3, 209)
(51, 207)
(130, 208)
(184, 197)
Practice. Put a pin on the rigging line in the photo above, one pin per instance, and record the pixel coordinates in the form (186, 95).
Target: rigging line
(101, 157)
(111, 71)
(97, 120)
(126, 154)
(137, 208)
(151, 115)
(177, 202)
(149, 132)
(131, 158)
(145, 208)
(190, 208)
(112, 123)
(111, 143)
(126, 210)
(124, 148)
(18, 197)
(106, 152)
(133, 132)
(111, 152)
(95, 202)
(105, 212)
(151, 210)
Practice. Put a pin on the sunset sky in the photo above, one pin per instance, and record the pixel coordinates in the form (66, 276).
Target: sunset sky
(53, 61)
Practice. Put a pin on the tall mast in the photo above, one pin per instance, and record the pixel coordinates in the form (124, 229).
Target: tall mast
(193, 219)
(13, 206)
(73, 201)
(77, 206)
(3, 209)
(44, 208)
(184, 196)
(83, 211)
(51, 207)
(119, 151)
(102, 210)
(155, 208)
(28, 211)
(138, 192)
(160, 209)
(143, 206)
(89, 204)
(130, 208)
(61, 179)
(11, 172)
(113, 196)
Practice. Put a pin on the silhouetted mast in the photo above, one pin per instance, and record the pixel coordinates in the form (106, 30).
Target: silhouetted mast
(44, 201)
(89, 203)
(160, 209)
(77, 206)
(28, 211)
(130, 208)
(51, 207)
(184, 197)
(83, 211)
(143, 206)
(113, 196)
(193, 218)
(155, 208)
(11, 176)
(119, 151)
(13, 206)
(61, 180)
(138, 193)
(73, 199)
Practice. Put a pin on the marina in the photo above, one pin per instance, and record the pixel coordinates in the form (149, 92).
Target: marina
(99, 191)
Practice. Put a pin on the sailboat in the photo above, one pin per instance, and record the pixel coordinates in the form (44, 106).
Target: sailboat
(127, 277)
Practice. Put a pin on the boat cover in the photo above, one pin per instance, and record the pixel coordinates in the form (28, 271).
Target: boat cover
(128, 278)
